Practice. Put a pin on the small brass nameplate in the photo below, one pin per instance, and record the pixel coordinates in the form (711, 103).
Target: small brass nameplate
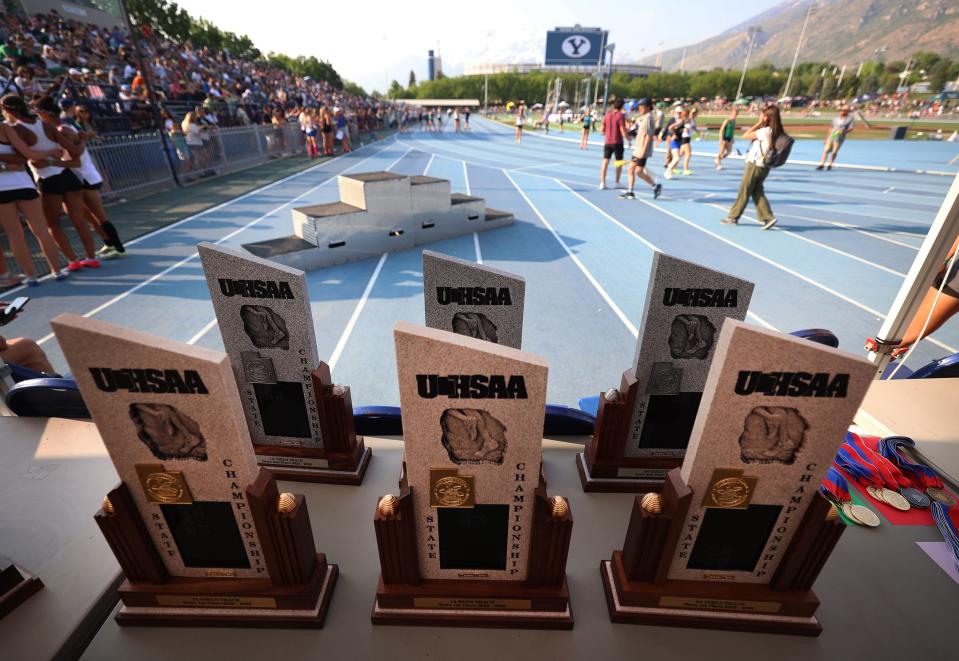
(733, 605)
(215, 601)
(293, 462)
(450, 489)
(163, 486)
(729, 488)
(464, 604)
(221, 573)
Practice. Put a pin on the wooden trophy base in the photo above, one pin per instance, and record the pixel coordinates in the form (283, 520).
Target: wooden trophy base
(623, 479)
(315, 464)
(487, 604)
(18, 585)
(707, 605)
(224, 602)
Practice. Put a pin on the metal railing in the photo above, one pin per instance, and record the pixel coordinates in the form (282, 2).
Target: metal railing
(136, 164)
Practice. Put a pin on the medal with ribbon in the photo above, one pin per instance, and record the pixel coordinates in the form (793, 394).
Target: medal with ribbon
(940, 514)
(859, 462)
(894, 482)
(922, 476)
(835, 489)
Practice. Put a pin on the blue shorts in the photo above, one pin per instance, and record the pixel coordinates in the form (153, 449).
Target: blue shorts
(674, 144)
(311, 132)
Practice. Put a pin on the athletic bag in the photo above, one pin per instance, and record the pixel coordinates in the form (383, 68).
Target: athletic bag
(779, 153)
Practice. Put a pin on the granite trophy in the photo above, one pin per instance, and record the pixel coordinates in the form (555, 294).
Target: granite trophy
(202, 534)
(301, 422)
(473, 299)
(740, 532)
(472, 539)
(642, 429)
(16, 585)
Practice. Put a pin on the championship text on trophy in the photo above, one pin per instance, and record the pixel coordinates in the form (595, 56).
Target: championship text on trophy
(300, 422)
(201, 533)
(472, 539)
(473, 300)
(16, 585)
(643, 428)
(740, 532)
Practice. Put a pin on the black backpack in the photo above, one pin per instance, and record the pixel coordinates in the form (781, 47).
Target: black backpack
(779, 153)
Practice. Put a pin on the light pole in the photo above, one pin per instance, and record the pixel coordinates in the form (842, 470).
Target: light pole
(802, 35)
(609, 70)
(753, 30)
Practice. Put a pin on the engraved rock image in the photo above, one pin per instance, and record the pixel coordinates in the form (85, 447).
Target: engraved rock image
(473, 436)
(474, 324)
(168, 433)
(691, 336)
(772, 434)
(265, 328)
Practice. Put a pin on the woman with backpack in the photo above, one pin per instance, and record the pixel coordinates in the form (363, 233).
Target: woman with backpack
(764, 135)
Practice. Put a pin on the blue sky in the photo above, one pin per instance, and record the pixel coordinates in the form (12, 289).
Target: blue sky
(387, 39)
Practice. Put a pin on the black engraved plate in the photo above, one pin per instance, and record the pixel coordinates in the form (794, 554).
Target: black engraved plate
(283, 409)
(474, 537)
(669, 420)
(733, 539)
(206, 534)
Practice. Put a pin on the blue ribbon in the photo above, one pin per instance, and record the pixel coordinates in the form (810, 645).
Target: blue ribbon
(940, 514)
(889, 448)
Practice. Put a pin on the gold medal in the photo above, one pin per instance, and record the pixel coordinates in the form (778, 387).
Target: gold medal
(895, 499)
(859, 514)
(941, 495)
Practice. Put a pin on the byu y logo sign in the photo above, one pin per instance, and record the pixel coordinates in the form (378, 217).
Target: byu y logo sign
(575, 45)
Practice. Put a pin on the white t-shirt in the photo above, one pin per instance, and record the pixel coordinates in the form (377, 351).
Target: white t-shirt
(759, 147)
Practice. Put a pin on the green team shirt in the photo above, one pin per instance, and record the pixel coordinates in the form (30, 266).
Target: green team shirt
(730, 129)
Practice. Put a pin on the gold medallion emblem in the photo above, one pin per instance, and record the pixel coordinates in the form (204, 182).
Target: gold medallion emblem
(448, 489)
(729, 488)
(163, 486)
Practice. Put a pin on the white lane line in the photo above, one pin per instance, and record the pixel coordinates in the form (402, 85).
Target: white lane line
(857, 258)
(540, 165)
(610, 218)
(857, 229)
(402, 156)
(429, 163)
(589, 276)
(203, 331)
(761, 321)
(351, 324)
(888, 189)
(158, 276)
(469, 191)
(765, 259)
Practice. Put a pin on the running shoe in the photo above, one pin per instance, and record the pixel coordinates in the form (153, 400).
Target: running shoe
(668, 174)
(75, 266)
(602, 185)
(729, 221)
(114, 237)
(719, 167)
(828, 167)
(627, 195)
(107, 252)
(657, 189)
(687, 172)
(90, 263)
(769, 223)
(31, 281)
(819, 167)
(63, 274)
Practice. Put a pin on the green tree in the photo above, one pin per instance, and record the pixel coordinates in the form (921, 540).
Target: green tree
(412, 82)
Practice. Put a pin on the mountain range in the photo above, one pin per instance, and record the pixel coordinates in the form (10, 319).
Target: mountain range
(839, 31)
